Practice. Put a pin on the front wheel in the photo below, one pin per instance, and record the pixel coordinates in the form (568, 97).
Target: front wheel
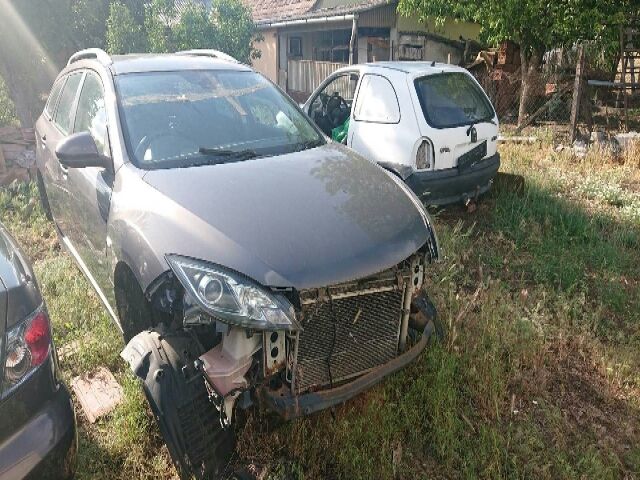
(189, 423)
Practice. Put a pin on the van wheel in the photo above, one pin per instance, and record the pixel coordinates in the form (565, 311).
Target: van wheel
(189, 423)
(44, 200)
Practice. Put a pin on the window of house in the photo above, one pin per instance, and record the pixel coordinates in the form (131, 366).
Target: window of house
(64, 113)
(377, 101)
(295, 46)
(91, 115)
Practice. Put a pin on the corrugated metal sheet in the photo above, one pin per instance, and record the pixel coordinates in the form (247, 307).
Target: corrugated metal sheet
(381, 17)
(307, 75)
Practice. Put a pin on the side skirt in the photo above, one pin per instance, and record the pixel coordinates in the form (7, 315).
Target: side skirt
(74, 253)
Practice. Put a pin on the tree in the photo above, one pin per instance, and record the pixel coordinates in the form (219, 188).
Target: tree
(235, 30)
(194, 29)
(537, 25)
(226, 26)
(123, 34)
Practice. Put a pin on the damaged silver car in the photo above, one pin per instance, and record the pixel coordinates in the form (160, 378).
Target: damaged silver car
(246, 259)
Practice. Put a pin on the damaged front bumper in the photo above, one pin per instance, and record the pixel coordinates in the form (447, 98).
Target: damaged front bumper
(292, 406)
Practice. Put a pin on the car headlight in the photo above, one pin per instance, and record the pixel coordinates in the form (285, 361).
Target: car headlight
(231, 297)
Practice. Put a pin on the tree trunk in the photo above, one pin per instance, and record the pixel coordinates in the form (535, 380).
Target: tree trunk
(530, 65)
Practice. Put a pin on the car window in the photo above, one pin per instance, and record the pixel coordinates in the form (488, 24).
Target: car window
(196, 117)
(331, 106)
(452, 100)
(53, 97)
(64, 117)
(91, 115)
(377, 101)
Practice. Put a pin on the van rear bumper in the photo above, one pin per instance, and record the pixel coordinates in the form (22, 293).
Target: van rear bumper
(451, 185)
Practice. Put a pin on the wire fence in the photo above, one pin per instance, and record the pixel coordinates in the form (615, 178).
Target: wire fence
(552, 91)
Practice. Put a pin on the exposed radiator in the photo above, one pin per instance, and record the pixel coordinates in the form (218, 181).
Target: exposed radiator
(347, 336)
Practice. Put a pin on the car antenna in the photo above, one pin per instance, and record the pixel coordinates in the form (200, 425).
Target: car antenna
(433, 64)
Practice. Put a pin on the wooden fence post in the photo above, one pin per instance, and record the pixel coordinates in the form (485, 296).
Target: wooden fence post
(577, 93)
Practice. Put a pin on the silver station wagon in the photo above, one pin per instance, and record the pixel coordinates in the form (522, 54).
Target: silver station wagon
(246, 259)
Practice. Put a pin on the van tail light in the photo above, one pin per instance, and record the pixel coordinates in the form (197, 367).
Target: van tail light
(26, 346)
(424, 157)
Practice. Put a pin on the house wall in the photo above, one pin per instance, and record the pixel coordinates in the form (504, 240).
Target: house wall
(452, 29)
(267, 63)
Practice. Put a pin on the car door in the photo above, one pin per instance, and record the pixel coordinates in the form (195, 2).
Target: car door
(55, 175)
(90, 187)
(383, 127)
(330, 105)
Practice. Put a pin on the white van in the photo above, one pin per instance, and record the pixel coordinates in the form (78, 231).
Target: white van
(430, 123)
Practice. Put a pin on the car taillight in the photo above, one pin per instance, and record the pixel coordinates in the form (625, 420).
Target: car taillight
(27, 346)
(424, 157)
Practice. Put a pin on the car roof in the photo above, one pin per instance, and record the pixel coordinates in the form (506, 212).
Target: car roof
(424, 68)
(140, 63)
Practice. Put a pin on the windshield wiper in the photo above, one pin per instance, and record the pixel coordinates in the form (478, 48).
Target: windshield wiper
(220, 155)
(219, 152)
(308, 144)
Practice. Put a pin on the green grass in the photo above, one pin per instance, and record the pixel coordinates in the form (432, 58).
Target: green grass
(538, 377)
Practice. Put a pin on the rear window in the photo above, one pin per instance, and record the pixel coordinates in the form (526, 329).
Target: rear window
(452, 100)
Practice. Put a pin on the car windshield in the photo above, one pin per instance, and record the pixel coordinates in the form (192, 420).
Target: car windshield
(452, 100)
(201, 117)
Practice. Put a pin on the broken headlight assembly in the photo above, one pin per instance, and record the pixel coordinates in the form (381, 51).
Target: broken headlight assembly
(231, 297)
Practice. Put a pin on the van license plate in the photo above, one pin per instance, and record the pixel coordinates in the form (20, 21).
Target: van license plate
(473, 156)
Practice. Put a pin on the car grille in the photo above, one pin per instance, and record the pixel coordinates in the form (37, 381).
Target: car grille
(347, 336)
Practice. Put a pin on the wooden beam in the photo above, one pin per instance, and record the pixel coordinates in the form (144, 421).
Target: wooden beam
(577, 94)
(529, 120)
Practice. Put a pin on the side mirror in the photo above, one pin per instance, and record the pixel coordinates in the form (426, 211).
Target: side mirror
(79, 150)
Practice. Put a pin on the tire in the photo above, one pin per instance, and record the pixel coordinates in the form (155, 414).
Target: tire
(44, 200)
(189, 423)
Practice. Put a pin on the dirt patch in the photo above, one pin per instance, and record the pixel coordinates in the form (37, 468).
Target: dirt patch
(595, 409)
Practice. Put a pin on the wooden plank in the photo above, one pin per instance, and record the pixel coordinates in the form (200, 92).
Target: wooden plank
(541, 110)
(577, 94)
(98, 393)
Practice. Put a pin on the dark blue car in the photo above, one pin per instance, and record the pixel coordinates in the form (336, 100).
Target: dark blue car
(37, 421)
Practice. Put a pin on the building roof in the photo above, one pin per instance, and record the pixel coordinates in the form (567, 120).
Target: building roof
(265, 12)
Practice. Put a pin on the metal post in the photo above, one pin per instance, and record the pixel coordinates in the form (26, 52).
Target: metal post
(352, 42)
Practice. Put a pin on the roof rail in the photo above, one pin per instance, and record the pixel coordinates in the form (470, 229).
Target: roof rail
(93, 53)
(209, 53)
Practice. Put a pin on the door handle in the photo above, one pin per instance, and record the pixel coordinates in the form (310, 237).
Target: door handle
(43, 140)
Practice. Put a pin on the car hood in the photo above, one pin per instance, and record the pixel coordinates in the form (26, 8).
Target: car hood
(312, 218)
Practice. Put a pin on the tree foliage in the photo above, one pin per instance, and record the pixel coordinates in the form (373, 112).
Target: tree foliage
(37, 37)
(124, 35)
(226, 26)
(537, 25)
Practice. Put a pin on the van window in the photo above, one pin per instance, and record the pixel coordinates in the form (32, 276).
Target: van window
(91, 115)
(53, 98)
(64, 117)
(377, 101)
(452, 100)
